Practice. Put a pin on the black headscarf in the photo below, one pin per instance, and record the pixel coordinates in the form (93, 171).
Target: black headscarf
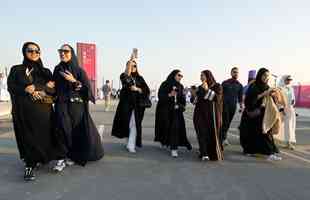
(37, 66)
(64, 87)
(210, 78)
(171, 78)
(73, 65)
(258, 80)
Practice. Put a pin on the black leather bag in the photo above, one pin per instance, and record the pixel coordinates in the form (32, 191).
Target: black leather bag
(145, 102)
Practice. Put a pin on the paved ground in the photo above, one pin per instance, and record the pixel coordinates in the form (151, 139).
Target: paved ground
(153, 174)
(5, 108)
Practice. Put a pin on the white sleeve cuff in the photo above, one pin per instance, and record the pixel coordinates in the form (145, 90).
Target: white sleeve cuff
(210, 95)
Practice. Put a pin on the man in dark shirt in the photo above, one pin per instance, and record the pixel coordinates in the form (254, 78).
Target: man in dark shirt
(233, 92)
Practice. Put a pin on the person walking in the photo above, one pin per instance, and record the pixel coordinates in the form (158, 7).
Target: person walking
(208, 117)
(31, 88)
(233, 94)
(107, 91)
(129, 114)
(170, 128)
(74, 92)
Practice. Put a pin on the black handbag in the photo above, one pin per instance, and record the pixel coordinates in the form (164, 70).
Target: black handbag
(145, 102)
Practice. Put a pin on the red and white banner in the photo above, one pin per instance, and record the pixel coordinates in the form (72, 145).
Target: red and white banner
(86, 54)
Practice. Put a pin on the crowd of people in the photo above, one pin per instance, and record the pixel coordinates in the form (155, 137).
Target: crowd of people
(67, 134)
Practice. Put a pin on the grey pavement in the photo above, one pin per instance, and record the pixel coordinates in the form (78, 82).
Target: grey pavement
(152, 174)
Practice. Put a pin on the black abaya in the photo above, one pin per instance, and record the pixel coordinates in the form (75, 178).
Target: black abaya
(170, 127)
(252, 138)
(37, 142)
(73, 118)
(129, 101)
(208, 121)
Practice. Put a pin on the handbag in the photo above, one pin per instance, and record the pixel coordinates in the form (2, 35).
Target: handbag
(45, 98)
(145, 102)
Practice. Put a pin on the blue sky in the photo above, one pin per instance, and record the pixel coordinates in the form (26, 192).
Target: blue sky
(189, 35)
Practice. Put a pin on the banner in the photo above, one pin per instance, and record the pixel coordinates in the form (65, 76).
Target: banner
(86, 54)
(302, 94)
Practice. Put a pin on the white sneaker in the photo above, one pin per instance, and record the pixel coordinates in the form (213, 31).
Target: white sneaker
(174, 153)
(69, 162)
(226, 143)
(278, 158)
(205, 158)
(60, 165)
(131, 150)
(274, 158)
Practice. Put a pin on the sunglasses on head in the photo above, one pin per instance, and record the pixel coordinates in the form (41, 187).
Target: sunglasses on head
(65, 51)
(36, 51)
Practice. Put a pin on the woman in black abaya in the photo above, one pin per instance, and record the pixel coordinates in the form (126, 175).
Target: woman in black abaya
(72, 110)
(208, 117)
(169, 120)
(129, 114)
(252, 138)
(31, 91)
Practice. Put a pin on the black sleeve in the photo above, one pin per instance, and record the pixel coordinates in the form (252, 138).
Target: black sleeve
(15, 85)
(85, 90)
(49, 76)
(251, 98)
(163, 92)
(56, 78)
(145, 88)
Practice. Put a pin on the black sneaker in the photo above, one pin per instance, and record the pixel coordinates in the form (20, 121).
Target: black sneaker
(29, 175)
(189, 147)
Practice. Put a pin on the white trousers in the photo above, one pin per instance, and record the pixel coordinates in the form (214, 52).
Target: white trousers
(132, 132)
(288, 126)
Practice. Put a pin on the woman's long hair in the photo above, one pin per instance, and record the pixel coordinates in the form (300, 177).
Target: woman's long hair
(129, 65)
(210, 78)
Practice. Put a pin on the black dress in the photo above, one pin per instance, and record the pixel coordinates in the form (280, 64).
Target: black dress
(252, 138)
(170, 127)
(129, 101)
(80, 134)
(33, 121)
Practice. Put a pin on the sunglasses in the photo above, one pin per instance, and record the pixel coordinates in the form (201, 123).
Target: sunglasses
(235, 72)
(36, 51)
(180, 75)
(65, 51)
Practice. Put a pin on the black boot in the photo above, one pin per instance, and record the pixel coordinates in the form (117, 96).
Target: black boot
(29, 175)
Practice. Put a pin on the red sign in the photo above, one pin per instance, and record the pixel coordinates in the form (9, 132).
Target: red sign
(87, 59)
(302, 93)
